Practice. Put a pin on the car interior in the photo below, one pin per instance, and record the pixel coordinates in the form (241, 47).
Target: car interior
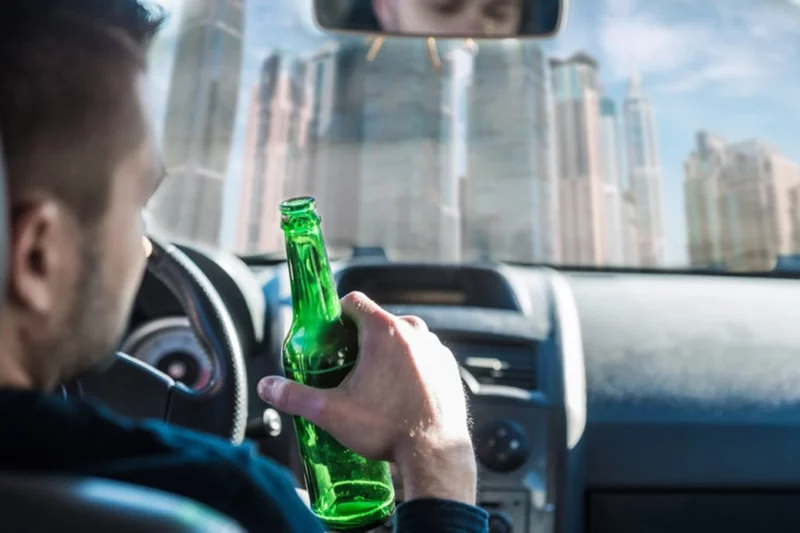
(573, 430)
(604, 398)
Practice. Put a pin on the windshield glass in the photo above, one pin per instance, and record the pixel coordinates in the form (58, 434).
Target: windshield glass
(648, 133)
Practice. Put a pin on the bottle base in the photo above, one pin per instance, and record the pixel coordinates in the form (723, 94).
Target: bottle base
(357, 516)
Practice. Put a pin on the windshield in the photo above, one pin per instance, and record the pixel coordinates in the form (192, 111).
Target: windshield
(648, 133)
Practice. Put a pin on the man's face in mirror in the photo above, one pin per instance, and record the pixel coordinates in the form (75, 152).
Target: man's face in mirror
(490, 18)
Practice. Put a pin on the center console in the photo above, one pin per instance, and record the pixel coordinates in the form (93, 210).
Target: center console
(515, 334)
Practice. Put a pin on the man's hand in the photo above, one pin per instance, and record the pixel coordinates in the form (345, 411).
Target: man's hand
(403, 402)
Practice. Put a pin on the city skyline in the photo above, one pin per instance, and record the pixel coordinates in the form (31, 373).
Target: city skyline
(691, 106)
(728, 66)
(313, 122)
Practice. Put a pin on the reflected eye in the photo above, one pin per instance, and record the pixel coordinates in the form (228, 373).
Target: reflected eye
(501, 11)
(447, 7)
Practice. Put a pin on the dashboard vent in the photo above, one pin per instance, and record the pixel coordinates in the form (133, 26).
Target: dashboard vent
(510, 365)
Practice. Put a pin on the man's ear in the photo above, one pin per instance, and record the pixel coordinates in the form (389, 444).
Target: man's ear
(43, 260)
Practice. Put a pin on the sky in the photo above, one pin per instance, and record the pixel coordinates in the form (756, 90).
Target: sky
(731, 67)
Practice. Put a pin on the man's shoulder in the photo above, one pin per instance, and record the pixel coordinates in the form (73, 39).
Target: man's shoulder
(76, 425)
(55, 435)
(89, 429)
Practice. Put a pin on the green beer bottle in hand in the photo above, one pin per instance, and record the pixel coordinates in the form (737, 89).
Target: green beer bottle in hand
(347, 492)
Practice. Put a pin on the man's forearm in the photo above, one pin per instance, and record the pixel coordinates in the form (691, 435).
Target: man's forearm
(446, 472)
(440, 486)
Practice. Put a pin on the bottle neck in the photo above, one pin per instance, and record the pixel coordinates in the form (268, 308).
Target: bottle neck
(314, 295)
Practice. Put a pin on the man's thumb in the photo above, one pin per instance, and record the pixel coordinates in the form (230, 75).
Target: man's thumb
(294, 399)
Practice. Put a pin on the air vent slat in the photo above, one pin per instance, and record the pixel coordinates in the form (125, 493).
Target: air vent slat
(507, 365)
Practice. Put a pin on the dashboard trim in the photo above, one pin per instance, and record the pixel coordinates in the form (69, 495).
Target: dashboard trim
(574, 369)
(569, 510)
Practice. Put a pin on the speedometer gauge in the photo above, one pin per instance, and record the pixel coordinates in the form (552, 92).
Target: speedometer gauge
(170, 345)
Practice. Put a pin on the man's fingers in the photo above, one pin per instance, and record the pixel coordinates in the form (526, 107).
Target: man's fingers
(415, 322)
(360, 308)
(296, 399)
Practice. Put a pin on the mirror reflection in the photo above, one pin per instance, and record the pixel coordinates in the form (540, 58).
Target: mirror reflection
(442, 18)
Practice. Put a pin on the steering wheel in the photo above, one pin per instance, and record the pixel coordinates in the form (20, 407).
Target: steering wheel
(137, 390)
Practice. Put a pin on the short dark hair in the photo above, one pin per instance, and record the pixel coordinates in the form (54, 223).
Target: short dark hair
(68, 105)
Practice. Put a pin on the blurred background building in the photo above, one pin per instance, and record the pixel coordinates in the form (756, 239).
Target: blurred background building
(200, 119)
(741, 204)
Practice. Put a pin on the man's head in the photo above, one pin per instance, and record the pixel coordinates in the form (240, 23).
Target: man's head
(81, 166)
(450, 17)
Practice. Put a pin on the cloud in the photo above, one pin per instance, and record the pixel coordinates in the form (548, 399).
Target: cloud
(636, 41)
(737, 46)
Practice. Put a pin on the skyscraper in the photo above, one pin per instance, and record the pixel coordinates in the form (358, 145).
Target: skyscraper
(373, 139)
(701, 195)
(794, 207)
(617, 232)
(332, 173)
(739, 204)
(200, 119)
(457, 71)
(644, 171)
(402, 153)
(579, 161)
(755, 206)
(509, 181)
(630, 231)
(277, 126)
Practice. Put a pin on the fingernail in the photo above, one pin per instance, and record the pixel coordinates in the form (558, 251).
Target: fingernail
(266, 388)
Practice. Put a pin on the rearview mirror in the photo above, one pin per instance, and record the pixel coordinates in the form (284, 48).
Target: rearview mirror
(479, 19)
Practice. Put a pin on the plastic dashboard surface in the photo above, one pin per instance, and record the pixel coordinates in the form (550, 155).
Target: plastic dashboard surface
(693, 382)
(692, 393)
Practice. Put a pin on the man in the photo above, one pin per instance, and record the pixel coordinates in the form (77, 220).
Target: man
(489, 18)
(81, 167)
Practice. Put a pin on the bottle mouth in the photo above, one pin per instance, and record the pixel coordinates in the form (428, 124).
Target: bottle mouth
(299, 213)
(298, 204)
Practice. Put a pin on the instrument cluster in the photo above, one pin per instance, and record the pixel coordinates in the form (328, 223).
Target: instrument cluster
(170, 345)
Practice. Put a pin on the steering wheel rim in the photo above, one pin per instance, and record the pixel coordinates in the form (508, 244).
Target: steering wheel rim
(221, 407)
(213, 325)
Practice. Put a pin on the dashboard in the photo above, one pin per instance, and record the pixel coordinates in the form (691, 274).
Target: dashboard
(601, 401)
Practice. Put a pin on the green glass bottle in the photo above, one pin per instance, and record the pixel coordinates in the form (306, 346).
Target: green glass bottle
(347, 491)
